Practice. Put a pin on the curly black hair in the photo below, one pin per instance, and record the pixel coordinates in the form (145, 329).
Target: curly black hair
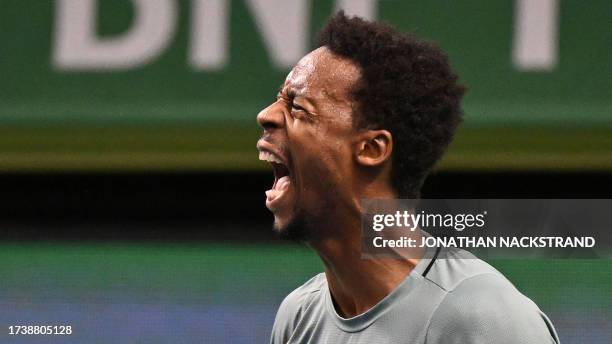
(406, 87)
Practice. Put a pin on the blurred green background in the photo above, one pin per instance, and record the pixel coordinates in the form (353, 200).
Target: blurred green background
(228, 293)
(166, 113)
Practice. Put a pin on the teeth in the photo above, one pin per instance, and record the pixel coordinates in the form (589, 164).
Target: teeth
(267, 156)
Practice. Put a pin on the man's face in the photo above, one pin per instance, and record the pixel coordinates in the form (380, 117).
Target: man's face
(308, 138)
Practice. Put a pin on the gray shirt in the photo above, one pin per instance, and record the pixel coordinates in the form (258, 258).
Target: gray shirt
(456, 299)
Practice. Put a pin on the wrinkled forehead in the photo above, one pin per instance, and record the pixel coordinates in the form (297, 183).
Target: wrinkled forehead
(321, 73)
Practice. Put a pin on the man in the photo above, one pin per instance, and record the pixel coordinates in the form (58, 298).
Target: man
(366, 116)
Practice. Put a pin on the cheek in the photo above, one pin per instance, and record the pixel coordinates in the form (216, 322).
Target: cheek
(321, 157)
(337, 148)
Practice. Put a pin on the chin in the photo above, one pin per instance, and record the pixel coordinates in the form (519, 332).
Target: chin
(279, 226)
(293, 229)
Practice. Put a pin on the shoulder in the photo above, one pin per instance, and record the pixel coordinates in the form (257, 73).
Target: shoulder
(296, 301)
(482, 306)
(456, 266)
(293, 307)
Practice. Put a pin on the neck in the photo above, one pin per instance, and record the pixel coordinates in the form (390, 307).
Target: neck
(357, 284)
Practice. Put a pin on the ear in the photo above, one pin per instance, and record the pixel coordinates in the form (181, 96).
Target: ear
(374, 147)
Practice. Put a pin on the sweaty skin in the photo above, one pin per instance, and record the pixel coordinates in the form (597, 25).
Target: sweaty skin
(332, 164)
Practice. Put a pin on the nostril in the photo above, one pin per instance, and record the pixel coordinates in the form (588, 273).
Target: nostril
(269, 119)
(268, 126)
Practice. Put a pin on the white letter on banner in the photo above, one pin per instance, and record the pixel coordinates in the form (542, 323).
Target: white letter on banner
(535, 35)
(284, 26)
(209, 37)
(366, 9)
(77, 46)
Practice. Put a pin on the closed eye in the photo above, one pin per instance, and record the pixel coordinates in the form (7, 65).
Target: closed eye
(297, 107)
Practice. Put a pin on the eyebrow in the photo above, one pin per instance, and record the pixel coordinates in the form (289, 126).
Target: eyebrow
(292, 94)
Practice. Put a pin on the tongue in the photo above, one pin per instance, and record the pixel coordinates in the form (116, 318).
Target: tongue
(281, 185)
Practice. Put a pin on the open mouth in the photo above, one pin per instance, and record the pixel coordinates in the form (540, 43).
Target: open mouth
(282, 179)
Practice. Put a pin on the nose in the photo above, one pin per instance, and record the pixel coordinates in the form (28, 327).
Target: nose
(271, 117)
